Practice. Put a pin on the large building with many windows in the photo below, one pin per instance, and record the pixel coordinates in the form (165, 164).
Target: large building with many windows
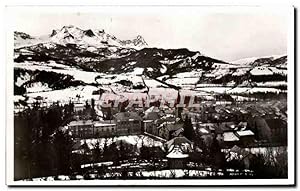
(91, 129)
(128, 123)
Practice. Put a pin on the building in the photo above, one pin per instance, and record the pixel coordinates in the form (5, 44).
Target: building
(104, 128)
(246, 137)
(178, 149)
(230, 138)
(167, 129)
(91, 129)
(81, 128)
(128, 123)
(79, 107)
(150, 122)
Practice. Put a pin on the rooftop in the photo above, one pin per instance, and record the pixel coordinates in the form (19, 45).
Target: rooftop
(245, 133)
(127, 116)
(80, 122)
(103, 124)
(177, 153)
(230, 137)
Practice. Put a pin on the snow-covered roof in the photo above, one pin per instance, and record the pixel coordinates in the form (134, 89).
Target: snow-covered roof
(79, 104)
(177, 153)
(245, 133)
(181, 142)
(203, 130)
(103, 124)
(152, 109)
(80, 122)
(230, 136)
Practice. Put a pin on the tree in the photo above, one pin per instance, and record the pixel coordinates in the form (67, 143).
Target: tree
(63, 148)
(188, 128)
(217, 157)
(93, 112)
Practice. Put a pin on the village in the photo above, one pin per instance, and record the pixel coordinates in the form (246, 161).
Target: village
(133, 138)
(161, 138)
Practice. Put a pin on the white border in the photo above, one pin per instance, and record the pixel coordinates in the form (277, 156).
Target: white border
(9, 113)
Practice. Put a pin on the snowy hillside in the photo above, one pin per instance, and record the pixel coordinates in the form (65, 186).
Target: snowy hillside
(72, 63)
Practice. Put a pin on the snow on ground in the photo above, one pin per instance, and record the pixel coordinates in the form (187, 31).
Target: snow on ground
(214, 89)
(37, 87)
(247, 61)
(242, 98)
(241, 90)
(192, 74)
(177, 173)
(217, 73)
(261, 70)
(23, 79)
(138, 71)
(265, 90)
(278, 71)
(163, 69)
(151, 83)
(85, 76)
(17, 98)
(137, 140)
(166, 61)
(64, 95)
(240, 71)
(183, 81)
(272, 84)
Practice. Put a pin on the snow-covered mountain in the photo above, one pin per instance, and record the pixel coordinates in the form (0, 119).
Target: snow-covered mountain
(71, 62)
(85, 38)
(256, 60)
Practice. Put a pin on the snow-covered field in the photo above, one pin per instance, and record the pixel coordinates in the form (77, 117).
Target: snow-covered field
(79, 93)
(85, 76)
(111, 83)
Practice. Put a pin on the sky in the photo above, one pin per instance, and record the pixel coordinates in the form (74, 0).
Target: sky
(226, 33)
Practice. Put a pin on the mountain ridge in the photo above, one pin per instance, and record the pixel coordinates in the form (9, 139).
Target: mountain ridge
(74, 35)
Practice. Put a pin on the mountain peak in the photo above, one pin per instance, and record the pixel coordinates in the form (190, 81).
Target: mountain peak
(89, 33)
(70, 34)
(68, 27)
(139, 41)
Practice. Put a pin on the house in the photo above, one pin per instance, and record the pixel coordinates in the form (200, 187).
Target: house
(79, 107)
(150, 122)
(246, 137)
(152, 109)
(177, 151)
(177, 158)
(185, 144)
(230, 139)
(128, 123)
(81, 128)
